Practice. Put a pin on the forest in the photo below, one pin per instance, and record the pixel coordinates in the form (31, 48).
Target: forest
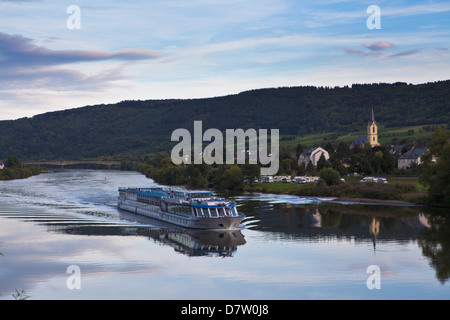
(132, 129)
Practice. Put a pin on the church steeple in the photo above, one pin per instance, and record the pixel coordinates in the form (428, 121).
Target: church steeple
(373, 117)
(372, 131)
(372, 120)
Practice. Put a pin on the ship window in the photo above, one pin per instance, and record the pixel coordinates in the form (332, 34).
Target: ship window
(213, 212)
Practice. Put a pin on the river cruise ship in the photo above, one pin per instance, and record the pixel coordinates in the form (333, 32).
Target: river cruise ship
(190, 209)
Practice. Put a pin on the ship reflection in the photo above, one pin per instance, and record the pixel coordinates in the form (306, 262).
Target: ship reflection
(222, 243)
(204, 243)
(194, 243)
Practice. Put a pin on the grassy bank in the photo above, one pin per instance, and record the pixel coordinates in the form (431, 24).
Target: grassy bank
(14, 169)
(19, 173)
(399, 188)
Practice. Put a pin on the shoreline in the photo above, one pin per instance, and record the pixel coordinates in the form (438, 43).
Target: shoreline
(349, 200)
(395, 194)
(377, 201)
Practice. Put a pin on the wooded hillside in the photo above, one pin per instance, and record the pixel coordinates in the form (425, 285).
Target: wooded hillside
(132, 128)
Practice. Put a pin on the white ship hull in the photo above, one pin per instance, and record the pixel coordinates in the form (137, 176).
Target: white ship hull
(213, 223)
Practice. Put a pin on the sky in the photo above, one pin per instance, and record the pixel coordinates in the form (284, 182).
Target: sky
(57, 55)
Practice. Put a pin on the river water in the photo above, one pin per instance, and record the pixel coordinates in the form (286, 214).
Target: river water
(62, 237)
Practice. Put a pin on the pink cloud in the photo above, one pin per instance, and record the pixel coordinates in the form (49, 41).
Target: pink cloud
(378, 46)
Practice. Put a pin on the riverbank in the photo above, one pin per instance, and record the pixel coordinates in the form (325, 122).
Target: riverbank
(406, 192)
(374, 201)
(19, 173)
(14, 169)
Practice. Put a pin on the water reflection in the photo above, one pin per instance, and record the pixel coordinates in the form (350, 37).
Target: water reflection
(374, 229)
(186, 241)
(293, 247)
(381, 224)
(204, 243)
(435, 244)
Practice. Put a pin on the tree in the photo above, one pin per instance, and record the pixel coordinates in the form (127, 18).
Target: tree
(439, 138)
(286, 165)
(343, 152)
(298, 149)
(329, 147)
(311, 169)
(387, 164)
(361, 164)
(437, 176)
(439, 180)
(233, 178)
(251, 171)
(301, 171)
(341, 169)
(13, 162)
(322, 163)
(330, 176)
(376, 159)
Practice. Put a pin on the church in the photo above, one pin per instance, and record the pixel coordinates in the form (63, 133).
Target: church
(371, 137)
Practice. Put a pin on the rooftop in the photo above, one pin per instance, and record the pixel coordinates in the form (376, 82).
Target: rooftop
(414, 153)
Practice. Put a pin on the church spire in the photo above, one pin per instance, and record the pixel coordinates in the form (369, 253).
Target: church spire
(372, 131)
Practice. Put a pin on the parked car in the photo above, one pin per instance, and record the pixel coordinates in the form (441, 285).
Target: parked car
(286, 179)
(298, 180)
(376, 180)
(267, 179)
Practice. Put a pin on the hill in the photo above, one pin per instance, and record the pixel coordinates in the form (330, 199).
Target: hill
(133, 128)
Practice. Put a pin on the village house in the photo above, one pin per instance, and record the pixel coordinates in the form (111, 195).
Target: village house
(2, 165)
(396, 149)
(411, 157)
(312, 155)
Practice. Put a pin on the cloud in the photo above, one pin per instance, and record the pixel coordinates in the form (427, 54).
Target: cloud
(26, 66)
(18, 50)
(378, 46)
(316, 16)
(354, 51)
(404, 53)
(428, 8)
(375, 49)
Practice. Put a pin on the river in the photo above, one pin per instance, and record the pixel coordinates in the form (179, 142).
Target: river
(62, 237)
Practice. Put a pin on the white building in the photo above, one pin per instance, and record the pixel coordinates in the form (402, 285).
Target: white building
(312, 155)
(413, 156)
(2, 165)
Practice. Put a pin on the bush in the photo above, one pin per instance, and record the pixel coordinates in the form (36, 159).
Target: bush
(330, 176)
(371, 190)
